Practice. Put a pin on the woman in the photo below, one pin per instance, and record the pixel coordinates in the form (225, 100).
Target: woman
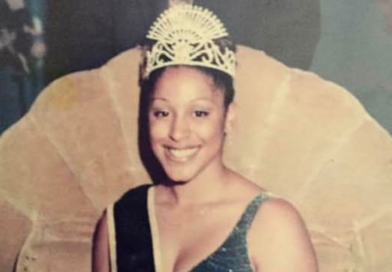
(201, 216)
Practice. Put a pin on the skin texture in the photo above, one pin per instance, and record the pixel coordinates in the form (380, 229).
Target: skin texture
(187, 122)
(205, 199)
(100, 260)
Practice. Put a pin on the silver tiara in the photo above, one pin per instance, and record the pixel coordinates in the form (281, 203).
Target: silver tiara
(185, 35)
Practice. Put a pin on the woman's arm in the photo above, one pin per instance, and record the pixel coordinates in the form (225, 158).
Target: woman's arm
(100, 262)
(279, 240)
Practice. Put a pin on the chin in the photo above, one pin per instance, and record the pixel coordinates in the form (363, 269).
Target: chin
(180, 175)
(182, 166)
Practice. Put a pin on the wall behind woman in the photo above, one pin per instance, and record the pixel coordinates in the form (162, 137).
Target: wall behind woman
(85, 34)
(355, 51)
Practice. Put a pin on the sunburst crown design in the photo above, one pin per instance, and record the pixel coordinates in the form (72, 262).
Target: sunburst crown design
(185, 35)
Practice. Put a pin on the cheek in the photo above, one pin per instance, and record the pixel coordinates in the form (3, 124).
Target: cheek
(158, 131)
(212, 130)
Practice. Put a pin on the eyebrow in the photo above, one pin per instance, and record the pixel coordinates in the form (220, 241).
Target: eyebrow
(202, 98)
(158, 98)
(193, 100)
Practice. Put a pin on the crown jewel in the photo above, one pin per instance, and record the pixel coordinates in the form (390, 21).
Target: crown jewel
(185, 35)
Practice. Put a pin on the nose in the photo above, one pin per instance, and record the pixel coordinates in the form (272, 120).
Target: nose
(179, 129)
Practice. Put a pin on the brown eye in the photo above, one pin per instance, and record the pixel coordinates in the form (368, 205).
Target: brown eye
(201, 113)
(160, 113)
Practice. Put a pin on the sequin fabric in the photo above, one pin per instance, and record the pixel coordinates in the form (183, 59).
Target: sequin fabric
(232, 255)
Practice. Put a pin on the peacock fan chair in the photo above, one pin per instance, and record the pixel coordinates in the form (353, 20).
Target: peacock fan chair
(298, 135)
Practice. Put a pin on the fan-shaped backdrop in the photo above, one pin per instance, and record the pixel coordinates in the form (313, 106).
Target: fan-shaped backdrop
(296, 134)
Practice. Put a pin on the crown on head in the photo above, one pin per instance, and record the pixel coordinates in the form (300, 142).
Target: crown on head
(185, 35)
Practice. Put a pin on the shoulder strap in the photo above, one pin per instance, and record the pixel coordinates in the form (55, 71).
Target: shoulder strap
(133, 232)
(250, 212)
(232, 255)
(241, 228)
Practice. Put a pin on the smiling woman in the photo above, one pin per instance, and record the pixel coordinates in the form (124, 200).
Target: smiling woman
(187, 118)
(200, 215)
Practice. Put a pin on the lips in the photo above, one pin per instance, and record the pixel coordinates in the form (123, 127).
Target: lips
(181, 154)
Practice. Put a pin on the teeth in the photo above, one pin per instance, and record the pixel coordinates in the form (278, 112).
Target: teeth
(182, 153)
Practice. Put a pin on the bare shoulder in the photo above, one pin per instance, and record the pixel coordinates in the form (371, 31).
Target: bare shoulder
(100, 256)
(278, 211)
(278, 239)
(277, 216)
(101, 229)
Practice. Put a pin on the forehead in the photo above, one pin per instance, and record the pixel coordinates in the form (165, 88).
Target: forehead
(185, 83)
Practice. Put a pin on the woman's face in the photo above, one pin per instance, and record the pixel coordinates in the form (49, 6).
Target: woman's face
(187, 121)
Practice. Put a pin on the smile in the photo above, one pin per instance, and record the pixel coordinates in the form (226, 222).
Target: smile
(181, 155)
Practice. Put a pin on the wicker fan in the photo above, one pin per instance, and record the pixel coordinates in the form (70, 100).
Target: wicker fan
(296, 134)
